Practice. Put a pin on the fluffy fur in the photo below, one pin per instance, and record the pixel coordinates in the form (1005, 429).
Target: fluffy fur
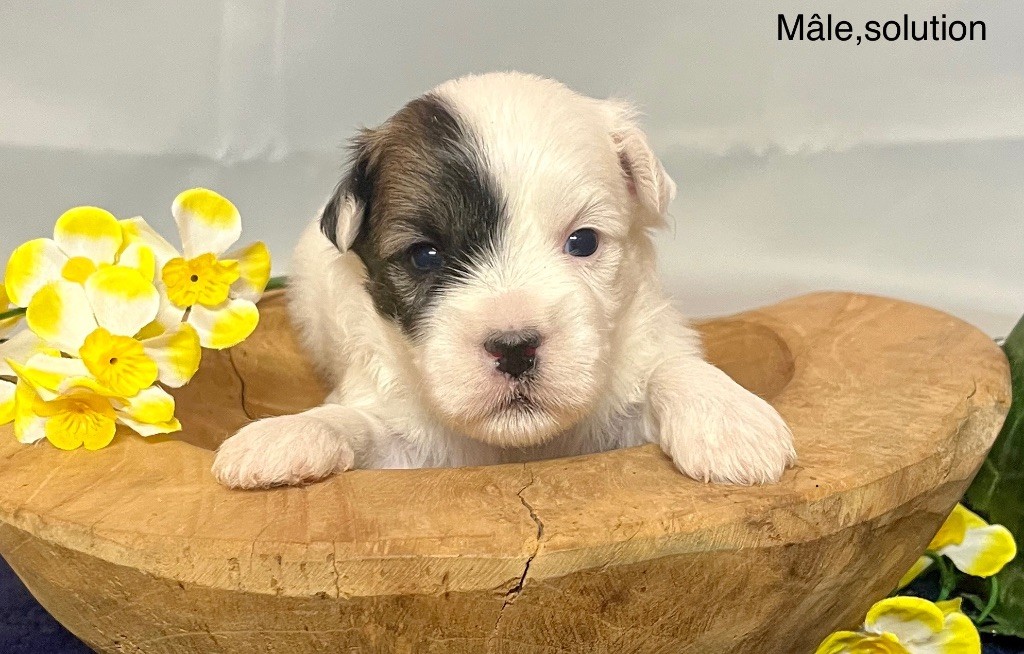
(497, 171)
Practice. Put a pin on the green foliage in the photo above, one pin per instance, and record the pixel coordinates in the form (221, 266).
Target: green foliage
(998, 493)
(276, 283)
(12, 313)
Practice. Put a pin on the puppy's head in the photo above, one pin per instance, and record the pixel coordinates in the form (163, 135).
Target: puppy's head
(503, 220)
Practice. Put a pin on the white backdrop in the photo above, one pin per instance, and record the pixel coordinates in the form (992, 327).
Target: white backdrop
(895, 168)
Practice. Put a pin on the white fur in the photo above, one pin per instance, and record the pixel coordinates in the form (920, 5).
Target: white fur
(617, 366)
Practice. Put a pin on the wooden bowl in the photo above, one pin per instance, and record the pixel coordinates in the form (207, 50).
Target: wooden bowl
(136, 547)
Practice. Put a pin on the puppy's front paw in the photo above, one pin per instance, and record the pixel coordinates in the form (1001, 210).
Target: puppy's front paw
(731, 437)
(287, 450)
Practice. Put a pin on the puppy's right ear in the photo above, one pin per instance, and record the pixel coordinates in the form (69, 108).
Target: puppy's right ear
(648, 182)
(343, 216)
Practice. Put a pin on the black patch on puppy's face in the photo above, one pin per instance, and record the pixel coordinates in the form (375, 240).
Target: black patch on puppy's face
(420, 178)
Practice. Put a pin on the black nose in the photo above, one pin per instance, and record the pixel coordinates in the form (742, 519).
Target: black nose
(514, 353)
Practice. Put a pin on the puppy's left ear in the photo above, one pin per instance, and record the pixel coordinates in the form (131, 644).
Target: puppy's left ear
(646, 178)
(343, 216)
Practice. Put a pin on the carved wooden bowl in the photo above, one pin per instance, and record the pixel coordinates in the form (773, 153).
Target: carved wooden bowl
(136, 547)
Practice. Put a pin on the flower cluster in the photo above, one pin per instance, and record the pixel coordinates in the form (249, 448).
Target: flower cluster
(908, 625)
(114, 314)
(912, 625)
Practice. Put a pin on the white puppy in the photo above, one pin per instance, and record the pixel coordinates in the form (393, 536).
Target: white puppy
(482, 289)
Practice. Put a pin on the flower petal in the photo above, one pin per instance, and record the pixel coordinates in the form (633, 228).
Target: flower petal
(20, 348)
(40, 381)
(254, 271)
(50, 375)
(137, 230)
(204, 280)
(146, 429)
(851, 642)
(32, 266)
(207, 222)
(225, 325)
(983, 552)
(8, 391)
(971, 519)
(76, 419)
(88, 232)
(118, 363)
(150, 405)
(951, 606)
(78, 269)
(60, 314)
(920, 565)
(911, 619)
(952, 530)
(28, 427)
(169, 315)
(123, 300)
(176, 353)
(139, 256)
(841, 642)
(101, 436)
(958, 636)
(167, 318)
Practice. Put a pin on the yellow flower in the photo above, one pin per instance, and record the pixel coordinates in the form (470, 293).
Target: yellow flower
(203, 280)
(974, 546)
(908, 625)
(59, 401)
(99, 322)
(79, 418)
(215, 294)
(98, 337)
(84, 240)
(118, 362)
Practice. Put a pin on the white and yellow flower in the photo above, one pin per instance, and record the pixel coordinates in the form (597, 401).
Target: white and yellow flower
(85, 239)
(76, 401)
(99, 324)
(974, 546)
(112, 310)
(84, 413)
(110, 374)
(214, 292)
(908, 625)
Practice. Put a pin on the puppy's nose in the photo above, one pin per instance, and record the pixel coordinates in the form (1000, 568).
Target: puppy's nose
(514, 353)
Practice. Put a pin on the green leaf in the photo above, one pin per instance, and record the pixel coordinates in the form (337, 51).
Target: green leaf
(12, 313)
(974, 600)
(1002, 629)
(276, 283)
(998, 491)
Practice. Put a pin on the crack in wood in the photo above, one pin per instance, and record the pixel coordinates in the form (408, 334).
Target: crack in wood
(513, 593)
(241, 382)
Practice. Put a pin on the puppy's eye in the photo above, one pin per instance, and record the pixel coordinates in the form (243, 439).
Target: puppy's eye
(581, 243)
(425, 257)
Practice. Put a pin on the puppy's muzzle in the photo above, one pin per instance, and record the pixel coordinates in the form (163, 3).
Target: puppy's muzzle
(514, 352)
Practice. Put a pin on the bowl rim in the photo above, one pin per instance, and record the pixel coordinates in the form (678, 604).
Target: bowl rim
(929, 420)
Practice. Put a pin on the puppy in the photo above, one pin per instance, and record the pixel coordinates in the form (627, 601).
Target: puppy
(481, 289)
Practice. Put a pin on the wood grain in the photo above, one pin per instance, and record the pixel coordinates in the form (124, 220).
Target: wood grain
(136, 548)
